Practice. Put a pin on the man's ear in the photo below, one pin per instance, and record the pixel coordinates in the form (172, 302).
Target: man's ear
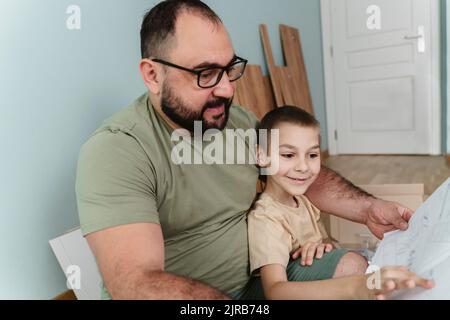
(261, 157)
(152, 75)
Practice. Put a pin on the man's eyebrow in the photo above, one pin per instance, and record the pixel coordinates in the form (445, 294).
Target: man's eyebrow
(208, 64)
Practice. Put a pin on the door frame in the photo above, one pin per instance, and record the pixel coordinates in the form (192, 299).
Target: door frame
(434, 143)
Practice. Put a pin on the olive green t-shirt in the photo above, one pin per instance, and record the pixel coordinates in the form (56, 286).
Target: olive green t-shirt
(126, 175)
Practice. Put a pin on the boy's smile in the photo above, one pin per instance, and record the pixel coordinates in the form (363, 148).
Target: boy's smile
(299, 180)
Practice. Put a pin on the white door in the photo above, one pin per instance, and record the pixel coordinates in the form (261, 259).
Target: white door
(382, 58)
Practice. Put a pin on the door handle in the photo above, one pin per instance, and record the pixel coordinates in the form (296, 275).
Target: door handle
(420, 36)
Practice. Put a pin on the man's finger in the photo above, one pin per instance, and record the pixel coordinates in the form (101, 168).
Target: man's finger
(396, 218)
(407, 214)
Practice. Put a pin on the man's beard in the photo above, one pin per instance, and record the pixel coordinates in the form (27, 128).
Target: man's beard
(179, 113)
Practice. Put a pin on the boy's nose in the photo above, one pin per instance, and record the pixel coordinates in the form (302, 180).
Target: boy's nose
(301, 166)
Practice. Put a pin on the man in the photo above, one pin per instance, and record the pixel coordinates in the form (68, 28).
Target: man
(160, 230)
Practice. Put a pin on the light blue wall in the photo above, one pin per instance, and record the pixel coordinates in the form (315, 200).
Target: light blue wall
(242, 19)
(56, 86)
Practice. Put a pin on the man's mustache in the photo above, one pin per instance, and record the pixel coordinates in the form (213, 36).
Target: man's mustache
(220, 101)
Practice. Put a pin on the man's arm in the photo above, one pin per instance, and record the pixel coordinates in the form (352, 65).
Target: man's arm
(334, 194)
(131, 261)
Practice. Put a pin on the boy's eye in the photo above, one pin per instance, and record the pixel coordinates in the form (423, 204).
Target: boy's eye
(313, 155)
(287, 155)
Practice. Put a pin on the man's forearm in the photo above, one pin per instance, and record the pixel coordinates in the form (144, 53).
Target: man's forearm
(159, 285)
(334, 194)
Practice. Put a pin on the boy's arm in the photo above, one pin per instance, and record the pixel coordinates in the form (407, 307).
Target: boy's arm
(334, 194)
(276, 286)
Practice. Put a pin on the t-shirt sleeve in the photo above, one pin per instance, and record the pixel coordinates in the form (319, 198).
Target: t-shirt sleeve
(318, 216)
(248, 117)
(269, 241)
(115, 183)
(319, 219)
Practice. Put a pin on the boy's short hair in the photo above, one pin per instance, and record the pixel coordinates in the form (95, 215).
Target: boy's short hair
(288, 114)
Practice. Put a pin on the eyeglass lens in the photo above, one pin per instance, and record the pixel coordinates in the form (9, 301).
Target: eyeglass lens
(211, 77)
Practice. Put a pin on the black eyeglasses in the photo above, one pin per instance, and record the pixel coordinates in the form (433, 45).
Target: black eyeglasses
(210, 76)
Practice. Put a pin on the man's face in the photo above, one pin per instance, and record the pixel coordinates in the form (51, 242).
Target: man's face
(199, 43)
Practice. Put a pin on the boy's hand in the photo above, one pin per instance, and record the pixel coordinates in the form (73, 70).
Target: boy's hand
(395, 278)
(311, 250)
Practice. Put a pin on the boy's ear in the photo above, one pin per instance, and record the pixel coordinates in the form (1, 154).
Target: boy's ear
(261, 157)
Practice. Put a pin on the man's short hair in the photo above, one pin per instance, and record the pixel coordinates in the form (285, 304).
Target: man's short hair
(158, 26)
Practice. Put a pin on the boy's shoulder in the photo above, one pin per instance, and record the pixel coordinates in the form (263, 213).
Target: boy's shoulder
(265, 205)
(307, 204)
(304, 199)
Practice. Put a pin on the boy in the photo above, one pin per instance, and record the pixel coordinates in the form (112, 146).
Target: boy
(284, 222)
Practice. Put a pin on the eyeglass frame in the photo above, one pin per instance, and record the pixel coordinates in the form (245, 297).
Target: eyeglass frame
(198, 72)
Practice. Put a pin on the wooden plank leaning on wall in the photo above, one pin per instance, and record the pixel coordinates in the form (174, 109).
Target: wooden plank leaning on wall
(254, 92)
(290, 82)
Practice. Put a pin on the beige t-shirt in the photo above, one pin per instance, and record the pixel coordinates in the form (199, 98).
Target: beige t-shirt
(276, 230)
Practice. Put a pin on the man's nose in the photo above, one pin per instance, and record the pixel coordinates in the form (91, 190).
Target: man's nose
(224, 88)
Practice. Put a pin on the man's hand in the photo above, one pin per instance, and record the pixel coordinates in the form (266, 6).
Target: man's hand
(311, 249)
(384, 216)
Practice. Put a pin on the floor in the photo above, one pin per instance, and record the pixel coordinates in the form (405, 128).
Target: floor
(432, 171)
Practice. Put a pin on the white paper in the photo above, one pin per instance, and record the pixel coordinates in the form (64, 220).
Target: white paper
(424, 248)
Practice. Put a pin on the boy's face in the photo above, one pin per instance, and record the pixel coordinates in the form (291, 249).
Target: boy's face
(298, 158)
